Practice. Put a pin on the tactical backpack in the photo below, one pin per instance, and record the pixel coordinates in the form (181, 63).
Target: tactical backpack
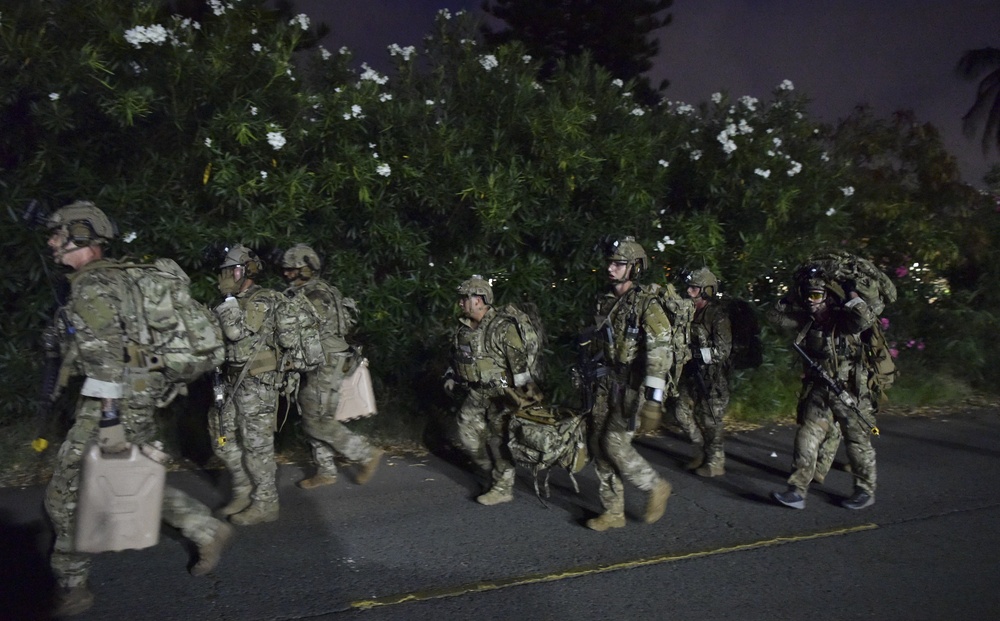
(680, 312)
(748, 349)
(541, 437)
(529, 327)
(176, 334)
(297, 329)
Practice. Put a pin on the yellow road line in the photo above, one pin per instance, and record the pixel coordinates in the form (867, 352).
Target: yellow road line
(589, 570)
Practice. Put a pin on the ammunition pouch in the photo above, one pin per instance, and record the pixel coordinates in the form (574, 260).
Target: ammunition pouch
(263, 362)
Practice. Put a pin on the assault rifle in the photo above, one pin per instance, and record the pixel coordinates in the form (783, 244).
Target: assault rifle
(587, 370)
(837, 389)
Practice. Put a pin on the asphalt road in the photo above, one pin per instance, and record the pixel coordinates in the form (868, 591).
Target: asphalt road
(412, 544)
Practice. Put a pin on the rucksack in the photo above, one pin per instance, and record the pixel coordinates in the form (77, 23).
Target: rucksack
(298, 336)
(870, 282)
(680, 312)
(541, 437)
(529, 327)
(748, 349)
(178, 335)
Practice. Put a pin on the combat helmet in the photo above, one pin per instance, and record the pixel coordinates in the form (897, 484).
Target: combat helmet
(303, 258)
(85, 223)
(629, 251)
(241, 255)
(477, 285)
(706, 280)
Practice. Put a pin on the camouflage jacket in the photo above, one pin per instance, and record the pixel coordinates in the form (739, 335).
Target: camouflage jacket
(635, 337)
(250, 327)
(96, 334)
(711, 341)
(834, 343)
(329, 305)
(491, 353)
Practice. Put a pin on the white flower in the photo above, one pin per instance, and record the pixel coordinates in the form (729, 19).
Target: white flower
(347, 116)
(696, 155)
(155, 34)
(744, 127)
(374, 155)
(795, 169)
(324, 53)
(526, 59)
(663, 243)
(129, 237)
(716, 97)
(824, 157)
(489, 62)
(54, 96)
(750, 103)
(848, 190)
(208, 142)
(429, 102)
(770, 153)
(537, 87)
(444, 13)
(684, 109)
(257, 47)
(637, 112)
(301, 19)
(356, 111)
(384, 97)
(786, 85)
(276, 140)
(777, 141)
(263, 174)
(664, 163)
(217, 7)
(253, 110)
(831, 211)
(383, 169)
(762, 172)
(344, 50)
(405, 52)
(617, 82)
(253, 31)
(371, 74)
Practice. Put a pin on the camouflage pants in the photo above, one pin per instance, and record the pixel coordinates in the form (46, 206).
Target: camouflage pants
(318, 398)
(701, 416)
(611, 444)
(192, 518)
(247, 423)
(482, 433)
(816, 439)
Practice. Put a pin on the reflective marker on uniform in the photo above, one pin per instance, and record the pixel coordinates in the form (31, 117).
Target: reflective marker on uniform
(577, 572)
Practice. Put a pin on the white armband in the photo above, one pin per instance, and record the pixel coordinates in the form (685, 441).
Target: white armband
(706, 355)
(101, 389)
(655, 382)
(522, 378)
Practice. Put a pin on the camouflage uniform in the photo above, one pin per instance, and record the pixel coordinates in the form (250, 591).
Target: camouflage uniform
(704, 386)
(253, 381)
(319, 393)
(632, 363)
(836, 346)
(487, 359)
(94, 348)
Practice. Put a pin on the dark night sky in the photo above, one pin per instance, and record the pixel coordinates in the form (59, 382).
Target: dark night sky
(891, 54)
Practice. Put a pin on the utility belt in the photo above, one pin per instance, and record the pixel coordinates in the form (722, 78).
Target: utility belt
(263, 362)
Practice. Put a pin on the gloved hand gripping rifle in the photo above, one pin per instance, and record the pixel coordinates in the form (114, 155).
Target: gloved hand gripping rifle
(837, 389)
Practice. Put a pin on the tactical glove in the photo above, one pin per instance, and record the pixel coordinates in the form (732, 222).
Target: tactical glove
(449, 387)
(228, 308)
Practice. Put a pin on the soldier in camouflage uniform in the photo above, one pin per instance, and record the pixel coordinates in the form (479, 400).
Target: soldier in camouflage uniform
(319, 393)
(704, 385)
(633, 336)
(829, 321)
(489, 361)
(242, 430)
(94, 338)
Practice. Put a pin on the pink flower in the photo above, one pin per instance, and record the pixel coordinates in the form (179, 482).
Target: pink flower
(901, 271)
(884, 321)
(910, 343)
(921, 346)
(894, 352)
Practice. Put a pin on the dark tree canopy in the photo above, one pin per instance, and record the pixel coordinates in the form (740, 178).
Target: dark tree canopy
(618, 36)
(986, 108)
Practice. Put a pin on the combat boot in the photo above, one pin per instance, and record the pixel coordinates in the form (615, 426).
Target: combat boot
(495, 497)
(859, 500)
(210, 553)
(318, 480)
(256, 513)
(367, 469)
(696, 461)
(657, 502)
(72, 601)
(605, 521)
(709, 471)
(241, 500)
